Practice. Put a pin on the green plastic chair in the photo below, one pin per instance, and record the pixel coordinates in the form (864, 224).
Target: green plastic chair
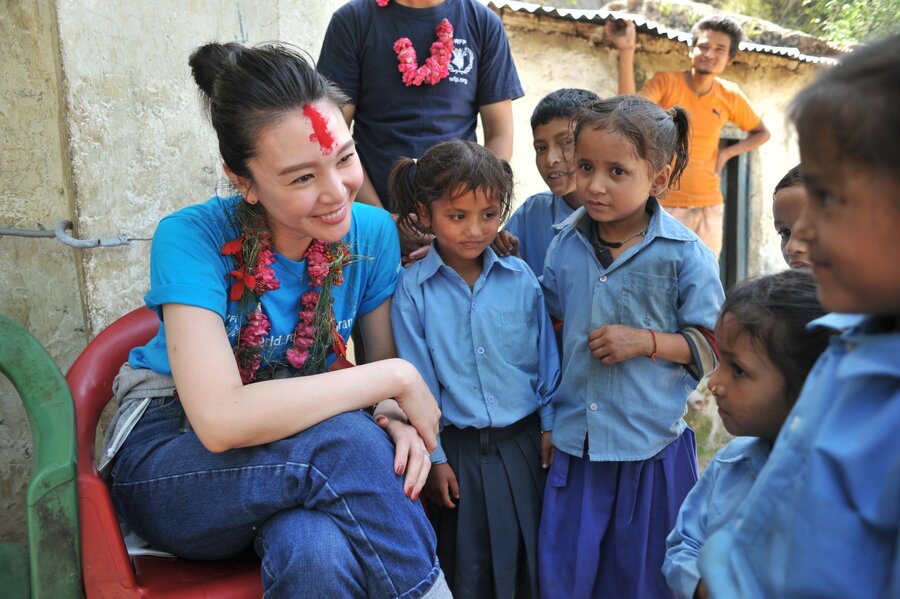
(50, 567)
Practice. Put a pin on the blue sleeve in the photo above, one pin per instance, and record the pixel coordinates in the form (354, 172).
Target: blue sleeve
(498, 79)
(684, 542)
(186, 264)
(700, 293)
(516, 223)
(338, 59)
(409, 337)
(377, 241)
(548, 279)
(548, 364)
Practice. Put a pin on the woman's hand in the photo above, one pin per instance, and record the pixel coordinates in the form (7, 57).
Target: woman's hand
(410, 455)
(419, 406)
(442, 487)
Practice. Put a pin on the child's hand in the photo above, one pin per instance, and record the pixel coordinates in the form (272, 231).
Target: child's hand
(410, 455)
(616, 343)
(414, 243)
(505, 244)
(621, 33)
(442, 488)
(547, 449)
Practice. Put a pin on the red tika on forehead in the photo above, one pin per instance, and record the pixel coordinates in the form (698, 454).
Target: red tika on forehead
(321, 134)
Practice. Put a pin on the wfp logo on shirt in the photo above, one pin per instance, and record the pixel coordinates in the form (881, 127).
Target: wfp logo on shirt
(461, 62)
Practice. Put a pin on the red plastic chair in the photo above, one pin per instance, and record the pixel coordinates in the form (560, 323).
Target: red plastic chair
(106, 567)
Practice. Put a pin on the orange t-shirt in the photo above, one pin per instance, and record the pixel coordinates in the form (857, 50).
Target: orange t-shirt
(708, 114)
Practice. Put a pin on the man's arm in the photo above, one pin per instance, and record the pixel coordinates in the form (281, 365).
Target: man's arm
(497, 121)
(757, 136)
(367, 193)
(624, 37)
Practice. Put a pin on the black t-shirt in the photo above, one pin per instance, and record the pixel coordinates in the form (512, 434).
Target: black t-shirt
(393, 120)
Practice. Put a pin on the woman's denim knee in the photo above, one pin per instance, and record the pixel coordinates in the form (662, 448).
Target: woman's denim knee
(305, 554)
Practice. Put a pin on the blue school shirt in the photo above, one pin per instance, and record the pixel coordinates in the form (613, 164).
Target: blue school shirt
(533, 224)
(393, 120)
(668, 281)
(187, 267)
(488, 354)
(709, 506)
(823, 519)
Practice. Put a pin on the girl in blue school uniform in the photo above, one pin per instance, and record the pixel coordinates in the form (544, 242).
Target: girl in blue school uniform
(765, 353)
(823, 518)
(638, 294)
(476, 328)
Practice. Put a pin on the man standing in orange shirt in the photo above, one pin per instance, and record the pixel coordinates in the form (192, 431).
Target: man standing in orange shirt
(710, 102)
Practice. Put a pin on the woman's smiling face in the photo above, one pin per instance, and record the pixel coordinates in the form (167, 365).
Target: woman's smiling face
(306, 182)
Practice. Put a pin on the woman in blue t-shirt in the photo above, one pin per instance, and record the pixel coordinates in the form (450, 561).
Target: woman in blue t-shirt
(237, 425)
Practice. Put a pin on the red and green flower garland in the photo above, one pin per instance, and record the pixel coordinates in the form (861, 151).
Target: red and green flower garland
(316, 332)
(436, 66)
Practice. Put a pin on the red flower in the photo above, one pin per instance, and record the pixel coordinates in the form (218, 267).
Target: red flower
(241, 281)
(436, 65)
(233, 247)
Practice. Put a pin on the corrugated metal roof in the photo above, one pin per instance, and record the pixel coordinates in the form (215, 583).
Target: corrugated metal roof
(643, 25)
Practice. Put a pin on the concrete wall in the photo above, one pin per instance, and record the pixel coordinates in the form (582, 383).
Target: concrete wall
(100, 124)
(39, 282)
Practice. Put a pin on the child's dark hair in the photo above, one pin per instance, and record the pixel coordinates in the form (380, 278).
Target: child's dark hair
(792, 178)
(722, 24)
(563, 103)
(453, 166)
(656, 134)
(850, 112)
(246, 89)
(774, 310)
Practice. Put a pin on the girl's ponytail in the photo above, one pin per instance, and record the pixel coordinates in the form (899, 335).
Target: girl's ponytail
(448, 170)
(402, 188)
(682, 131)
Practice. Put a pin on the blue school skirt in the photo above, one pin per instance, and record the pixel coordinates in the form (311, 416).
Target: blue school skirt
(604, 524)
(487, 546)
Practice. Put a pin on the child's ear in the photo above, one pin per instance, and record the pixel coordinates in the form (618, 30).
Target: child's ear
(660, 180)
(242, 184)
(424, 217)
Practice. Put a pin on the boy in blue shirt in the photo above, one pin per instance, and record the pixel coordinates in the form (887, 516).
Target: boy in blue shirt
(529, 231)
(823, 518)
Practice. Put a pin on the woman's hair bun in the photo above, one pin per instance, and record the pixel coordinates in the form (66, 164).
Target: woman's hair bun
(207, 61)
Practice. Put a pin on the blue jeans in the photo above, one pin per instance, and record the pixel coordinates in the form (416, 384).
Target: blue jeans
(323, 508)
